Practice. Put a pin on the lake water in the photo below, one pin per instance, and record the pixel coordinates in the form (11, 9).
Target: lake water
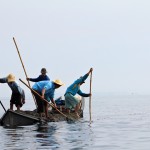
(119, 123)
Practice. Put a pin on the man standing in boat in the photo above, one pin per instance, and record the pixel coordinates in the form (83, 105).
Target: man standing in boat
(70, 100)
(46, 89)
(18, 95)
(41, 77)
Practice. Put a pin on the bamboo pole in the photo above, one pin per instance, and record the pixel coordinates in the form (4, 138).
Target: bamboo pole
(90, 103)
(3, 106)
(23, 68)
(44, 99)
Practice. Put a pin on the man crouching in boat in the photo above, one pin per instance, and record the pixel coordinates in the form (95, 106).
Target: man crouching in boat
(46, 89)
(70, 100)
(18, 95)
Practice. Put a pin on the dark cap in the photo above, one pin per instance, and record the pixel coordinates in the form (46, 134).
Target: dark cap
(43, 70)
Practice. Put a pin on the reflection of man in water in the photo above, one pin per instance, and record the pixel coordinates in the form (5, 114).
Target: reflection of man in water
(45, 132)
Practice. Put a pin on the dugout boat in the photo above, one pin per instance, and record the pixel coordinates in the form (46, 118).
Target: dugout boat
(23, 118)
(14, 118)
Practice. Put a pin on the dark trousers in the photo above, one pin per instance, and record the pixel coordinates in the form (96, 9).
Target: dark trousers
(16, 99)
(40, 102)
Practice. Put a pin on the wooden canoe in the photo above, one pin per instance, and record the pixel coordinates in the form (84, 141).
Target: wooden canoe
(23, 118)
(14, 118)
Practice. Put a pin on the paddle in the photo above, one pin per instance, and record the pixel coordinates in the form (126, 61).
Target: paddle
(90, 97)
(23, 68)
(45, 100)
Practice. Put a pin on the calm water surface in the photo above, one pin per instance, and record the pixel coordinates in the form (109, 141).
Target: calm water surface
(119, 123)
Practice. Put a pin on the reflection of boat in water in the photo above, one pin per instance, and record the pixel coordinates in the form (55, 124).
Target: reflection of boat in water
(23, 118)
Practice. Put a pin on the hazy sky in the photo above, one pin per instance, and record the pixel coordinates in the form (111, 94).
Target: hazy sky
(70, 36)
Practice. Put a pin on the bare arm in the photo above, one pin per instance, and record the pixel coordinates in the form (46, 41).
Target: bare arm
(53, 102)
(91, 69)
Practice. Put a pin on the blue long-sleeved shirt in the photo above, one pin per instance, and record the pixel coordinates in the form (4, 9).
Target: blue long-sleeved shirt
(39, 78)
(49, 87)
(75, 87)
(14, 87)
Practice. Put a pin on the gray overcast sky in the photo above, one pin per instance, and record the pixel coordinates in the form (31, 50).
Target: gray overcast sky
(70, 36)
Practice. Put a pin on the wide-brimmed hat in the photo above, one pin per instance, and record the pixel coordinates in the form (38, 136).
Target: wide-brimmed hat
(11, 78)
(59, 82)
(43, 70)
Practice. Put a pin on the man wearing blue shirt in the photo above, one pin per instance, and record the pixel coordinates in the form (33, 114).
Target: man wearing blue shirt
(41, 77)
(70, 100)
(18, 95)
(46, 89)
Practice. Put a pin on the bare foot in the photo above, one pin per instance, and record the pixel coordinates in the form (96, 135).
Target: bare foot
(68, 111)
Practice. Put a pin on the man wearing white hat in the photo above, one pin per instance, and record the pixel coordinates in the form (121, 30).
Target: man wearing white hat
(18, 95)
(46, 89)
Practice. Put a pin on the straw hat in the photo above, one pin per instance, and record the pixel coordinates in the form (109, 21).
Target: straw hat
(59, 82)
(11, 78)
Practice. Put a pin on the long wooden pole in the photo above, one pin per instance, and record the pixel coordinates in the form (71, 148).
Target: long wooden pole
(23, 68)
(3, 106)
(43, 98)
(90, 103)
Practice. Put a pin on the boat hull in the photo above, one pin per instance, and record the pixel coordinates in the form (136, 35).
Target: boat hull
(13, 118)
(23, 118)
